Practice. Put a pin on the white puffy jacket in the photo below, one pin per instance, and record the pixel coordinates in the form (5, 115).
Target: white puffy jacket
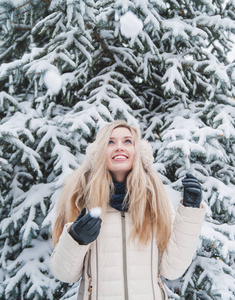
(114, 268)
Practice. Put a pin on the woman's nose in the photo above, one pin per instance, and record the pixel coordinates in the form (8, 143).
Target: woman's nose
(119, 146)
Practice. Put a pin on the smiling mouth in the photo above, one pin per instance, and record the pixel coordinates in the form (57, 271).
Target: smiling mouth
(120, 157)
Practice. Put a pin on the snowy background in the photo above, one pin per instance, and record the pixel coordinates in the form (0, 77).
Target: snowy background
(67, 68)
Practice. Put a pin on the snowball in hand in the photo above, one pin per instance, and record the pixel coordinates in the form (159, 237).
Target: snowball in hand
(130, 25)
(95, 212)
(53, 81)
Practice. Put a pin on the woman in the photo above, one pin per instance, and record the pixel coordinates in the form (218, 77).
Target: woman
(117, 256)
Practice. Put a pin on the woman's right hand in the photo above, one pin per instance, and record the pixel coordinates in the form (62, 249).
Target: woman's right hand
(86, 228)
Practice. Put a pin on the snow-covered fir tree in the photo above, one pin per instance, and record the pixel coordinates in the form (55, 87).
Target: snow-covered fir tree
(67, 67)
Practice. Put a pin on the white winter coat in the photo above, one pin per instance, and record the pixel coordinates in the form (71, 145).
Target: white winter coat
(114, 268)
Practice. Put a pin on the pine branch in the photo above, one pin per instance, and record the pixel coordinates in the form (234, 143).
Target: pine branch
(22, 27)
(16, 8)
(12, 47)
(103, 45)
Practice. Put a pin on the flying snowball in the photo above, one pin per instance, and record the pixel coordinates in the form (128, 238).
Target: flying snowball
(95, 212)
(130, 25)
(52, 81)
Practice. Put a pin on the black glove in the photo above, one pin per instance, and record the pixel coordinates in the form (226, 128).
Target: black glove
(192, 191)
(86, 228)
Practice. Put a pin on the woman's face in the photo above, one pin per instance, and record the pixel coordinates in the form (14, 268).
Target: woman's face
(120, 153)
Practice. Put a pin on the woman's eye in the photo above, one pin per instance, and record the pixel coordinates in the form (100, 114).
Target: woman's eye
(128, 142)
(111, 142)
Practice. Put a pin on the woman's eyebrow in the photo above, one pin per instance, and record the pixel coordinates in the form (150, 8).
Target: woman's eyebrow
(124, 137)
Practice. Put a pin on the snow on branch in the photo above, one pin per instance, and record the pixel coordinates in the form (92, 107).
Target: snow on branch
(33, 270)
(50, 20)
(6, 99)
(173, 77)
(215, 22)
(25, 207)
(219, 277)
(12, 136)
(53, 138)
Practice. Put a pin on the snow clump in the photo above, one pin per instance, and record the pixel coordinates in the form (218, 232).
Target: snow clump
(95, 212)
(53, 81)
(130, 25)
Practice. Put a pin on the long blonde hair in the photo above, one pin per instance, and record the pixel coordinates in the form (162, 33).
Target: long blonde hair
(88, 186)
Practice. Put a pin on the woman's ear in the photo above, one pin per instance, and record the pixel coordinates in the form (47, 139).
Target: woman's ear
(146, 154)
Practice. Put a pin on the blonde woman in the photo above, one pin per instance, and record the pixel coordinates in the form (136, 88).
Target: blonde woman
(117, 255)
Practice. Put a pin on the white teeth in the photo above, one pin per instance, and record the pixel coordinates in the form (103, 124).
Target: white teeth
(119, 156)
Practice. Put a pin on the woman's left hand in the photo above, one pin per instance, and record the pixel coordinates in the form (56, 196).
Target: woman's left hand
(192, 191)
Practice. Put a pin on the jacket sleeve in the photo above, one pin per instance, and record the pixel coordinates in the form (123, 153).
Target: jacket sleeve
(183, 241)
(66, 261)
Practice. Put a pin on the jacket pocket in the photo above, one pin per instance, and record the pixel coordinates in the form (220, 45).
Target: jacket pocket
(162, 287)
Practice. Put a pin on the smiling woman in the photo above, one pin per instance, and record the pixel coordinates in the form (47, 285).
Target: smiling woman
(117, 255)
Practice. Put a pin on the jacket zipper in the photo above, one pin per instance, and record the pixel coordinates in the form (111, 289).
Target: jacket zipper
(124, 255)
(89, 276)
(154, 297)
